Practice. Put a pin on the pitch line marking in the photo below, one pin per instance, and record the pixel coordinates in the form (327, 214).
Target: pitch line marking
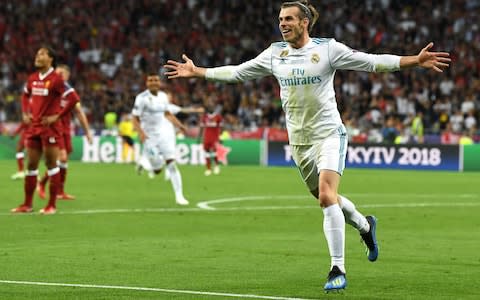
(246, 208)
(207, 204)
(161, 290)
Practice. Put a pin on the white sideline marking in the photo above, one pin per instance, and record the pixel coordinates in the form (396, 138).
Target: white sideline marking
(207, 204)
(239, 208)
(132, 288)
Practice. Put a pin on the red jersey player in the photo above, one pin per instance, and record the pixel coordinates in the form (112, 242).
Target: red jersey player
(21, 129)
(41, 100)
(211, 126)
(70, 99)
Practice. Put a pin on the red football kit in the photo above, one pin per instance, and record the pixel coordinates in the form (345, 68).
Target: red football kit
(212, 124)
(69, 99)
(41, 98)
(21, 129)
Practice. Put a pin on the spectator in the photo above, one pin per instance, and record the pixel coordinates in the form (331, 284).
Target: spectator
(108, 46)
(417, 128)
(390, 132)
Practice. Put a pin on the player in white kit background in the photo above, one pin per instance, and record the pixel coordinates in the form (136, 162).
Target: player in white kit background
(154, 120)
(304, 68)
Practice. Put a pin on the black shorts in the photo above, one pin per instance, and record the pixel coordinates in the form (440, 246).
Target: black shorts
(127, 139)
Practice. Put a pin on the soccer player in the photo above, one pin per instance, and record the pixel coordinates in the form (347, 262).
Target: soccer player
(304, 68)
(40, 101)
(153, 118)
(143, 163)
(20, 155)
(71, 99)
(210, 127)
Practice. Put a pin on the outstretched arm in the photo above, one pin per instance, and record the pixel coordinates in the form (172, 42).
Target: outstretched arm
(427, 59)
(258, 67)
(192, 110)
(342, 57)
(186, 69)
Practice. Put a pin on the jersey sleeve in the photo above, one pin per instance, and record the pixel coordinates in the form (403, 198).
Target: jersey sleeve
(26, 97)
(71, 97)
(258, 67)
(138, 107)
(344, 58)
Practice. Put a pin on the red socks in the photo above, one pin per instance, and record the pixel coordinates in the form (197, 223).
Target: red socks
(29, 187)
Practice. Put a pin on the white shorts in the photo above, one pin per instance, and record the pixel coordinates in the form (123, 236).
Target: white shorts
(159, 150)
(328, 154)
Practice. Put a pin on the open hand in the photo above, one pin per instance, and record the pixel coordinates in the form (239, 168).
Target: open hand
(433, 60)
(186, 69)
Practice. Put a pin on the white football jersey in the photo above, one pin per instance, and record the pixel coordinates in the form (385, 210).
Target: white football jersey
(305, 77)
(151, 111)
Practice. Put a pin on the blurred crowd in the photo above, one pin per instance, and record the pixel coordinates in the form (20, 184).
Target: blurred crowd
(110, 44)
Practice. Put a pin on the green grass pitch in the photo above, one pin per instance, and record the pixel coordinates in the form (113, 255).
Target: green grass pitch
(263, 239)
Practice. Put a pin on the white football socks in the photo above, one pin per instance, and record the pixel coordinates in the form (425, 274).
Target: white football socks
(334, 230)
(175, 179)
(353, 216)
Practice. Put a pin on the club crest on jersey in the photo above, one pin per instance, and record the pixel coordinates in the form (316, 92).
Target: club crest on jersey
(284, 53)
(315, 58)
(51, 140)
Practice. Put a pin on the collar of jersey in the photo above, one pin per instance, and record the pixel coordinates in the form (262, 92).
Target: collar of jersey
(44, 75)
(308, 45)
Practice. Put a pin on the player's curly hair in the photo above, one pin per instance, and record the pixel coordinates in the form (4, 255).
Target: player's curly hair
(306, 11)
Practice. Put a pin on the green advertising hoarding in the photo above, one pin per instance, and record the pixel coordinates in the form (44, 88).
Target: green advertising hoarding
(471, 157)
(189, 151)
(8, 147)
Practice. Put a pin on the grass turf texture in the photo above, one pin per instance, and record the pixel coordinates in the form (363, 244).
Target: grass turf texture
(272, 246)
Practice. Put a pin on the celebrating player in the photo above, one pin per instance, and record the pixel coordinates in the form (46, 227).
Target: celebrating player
(153, 118)
(70, 99)
(40, 101)
(304, 68)
(211, 126)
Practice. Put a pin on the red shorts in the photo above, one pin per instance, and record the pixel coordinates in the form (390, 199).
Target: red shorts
(39, 137)
(210, 145)
(65, 142)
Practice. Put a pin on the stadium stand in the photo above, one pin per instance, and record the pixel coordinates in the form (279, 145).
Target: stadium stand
(109, 44)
